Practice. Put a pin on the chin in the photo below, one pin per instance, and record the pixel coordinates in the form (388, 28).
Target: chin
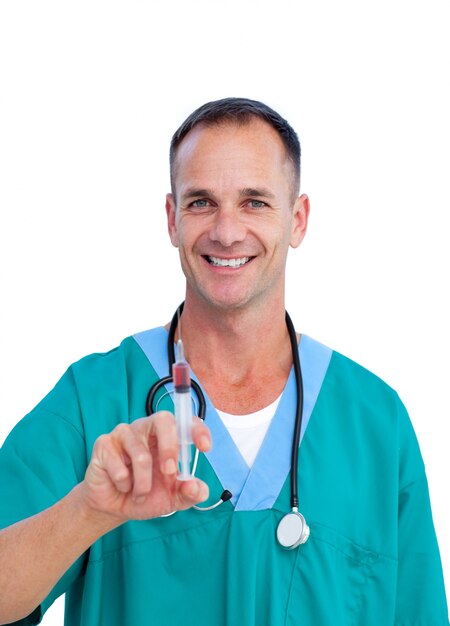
(228, 302)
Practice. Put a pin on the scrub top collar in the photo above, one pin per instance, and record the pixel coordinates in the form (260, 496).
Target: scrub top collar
(258, 487)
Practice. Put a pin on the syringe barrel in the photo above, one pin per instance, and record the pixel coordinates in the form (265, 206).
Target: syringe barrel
(183, 419)
(183, 415)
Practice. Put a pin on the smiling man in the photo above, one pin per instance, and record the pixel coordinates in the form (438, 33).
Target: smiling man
(314, 501)
(234, 206)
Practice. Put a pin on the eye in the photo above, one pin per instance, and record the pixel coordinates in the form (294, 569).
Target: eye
(200, 204)
(257, 204)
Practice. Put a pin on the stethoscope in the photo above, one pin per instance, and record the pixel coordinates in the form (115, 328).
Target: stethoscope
(292, 530)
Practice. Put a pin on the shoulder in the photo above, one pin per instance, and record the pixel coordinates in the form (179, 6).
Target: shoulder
(359, 394)
(358, 378)
(94, 394)
(98, 375)
(119, 362)
(345, 376)
(360, 402)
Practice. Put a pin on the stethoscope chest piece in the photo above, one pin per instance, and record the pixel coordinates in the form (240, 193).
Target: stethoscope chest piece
(292, 530)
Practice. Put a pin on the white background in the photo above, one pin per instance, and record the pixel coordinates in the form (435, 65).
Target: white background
(90, 93)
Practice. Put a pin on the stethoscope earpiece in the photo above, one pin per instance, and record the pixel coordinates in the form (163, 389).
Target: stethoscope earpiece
(226, 495)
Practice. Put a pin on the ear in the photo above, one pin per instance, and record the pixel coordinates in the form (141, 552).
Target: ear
(300, 215)
(171, 219)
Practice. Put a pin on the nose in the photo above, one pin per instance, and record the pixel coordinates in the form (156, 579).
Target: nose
(227, 227)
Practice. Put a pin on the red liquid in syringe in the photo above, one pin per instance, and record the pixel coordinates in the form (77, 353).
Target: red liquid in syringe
(181, 376)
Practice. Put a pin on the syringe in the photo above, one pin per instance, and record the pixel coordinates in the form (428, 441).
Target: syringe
(183, 411)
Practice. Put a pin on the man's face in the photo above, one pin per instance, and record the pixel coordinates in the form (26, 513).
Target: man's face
(234, 218)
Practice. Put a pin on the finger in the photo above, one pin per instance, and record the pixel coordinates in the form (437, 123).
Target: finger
(190, 492)
(163, 428)
(201, 435)
(127, 440)
(108, 459)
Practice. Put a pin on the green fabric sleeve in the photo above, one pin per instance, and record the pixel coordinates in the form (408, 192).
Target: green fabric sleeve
(42, 459)
(420, 584)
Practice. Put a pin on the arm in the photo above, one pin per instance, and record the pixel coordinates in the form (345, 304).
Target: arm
(420, 585)
(131, 475)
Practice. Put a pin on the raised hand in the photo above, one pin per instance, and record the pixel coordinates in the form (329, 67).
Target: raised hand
(133, 470)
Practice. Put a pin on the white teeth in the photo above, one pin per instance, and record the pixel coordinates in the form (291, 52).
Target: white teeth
(228, 262)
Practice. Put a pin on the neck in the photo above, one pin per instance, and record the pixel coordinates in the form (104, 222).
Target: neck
(236, 345)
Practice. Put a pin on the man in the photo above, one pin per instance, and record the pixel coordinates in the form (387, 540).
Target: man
(88, 485)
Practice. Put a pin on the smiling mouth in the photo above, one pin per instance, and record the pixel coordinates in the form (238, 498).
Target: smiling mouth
(237, 262)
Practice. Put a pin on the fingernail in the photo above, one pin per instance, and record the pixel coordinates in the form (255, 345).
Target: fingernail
(204, 443)
(193, 490)
(170, 467)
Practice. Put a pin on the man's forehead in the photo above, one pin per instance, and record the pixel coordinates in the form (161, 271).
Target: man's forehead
(222, 147)
(229, 142)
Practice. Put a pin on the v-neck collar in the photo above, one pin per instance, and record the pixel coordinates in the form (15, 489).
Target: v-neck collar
(258, 487)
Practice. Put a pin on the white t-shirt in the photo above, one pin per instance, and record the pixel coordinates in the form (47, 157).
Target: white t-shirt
(248, 431)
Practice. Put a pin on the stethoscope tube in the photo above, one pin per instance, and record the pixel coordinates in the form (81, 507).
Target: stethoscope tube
(292, 529)
(298, 411)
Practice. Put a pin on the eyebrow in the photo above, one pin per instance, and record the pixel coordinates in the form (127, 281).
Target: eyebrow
(259, 192)
(194, 192)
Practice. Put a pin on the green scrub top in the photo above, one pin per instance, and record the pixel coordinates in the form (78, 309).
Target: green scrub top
(371, 560)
